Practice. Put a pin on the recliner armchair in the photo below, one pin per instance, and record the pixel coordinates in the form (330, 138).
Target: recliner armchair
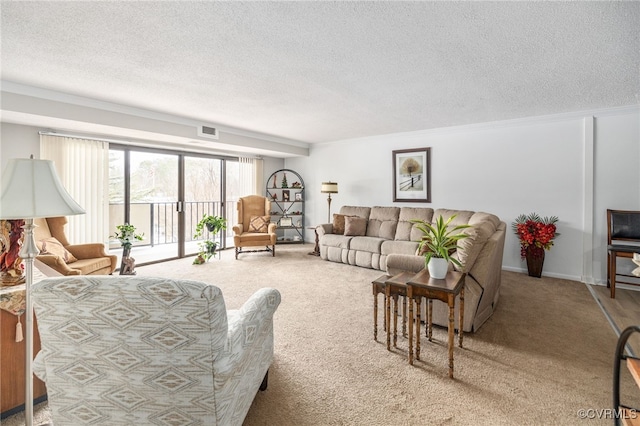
(136, 350)
(86, 259)
(254, 227)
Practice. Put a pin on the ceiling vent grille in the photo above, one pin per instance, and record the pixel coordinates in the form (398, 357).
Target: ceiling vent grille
(208, 132)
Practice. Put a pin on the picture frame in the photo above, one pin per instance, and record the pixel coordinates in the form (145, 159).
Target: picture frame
(298, 196)
(285, 195)
(412, 175)
(286, 221)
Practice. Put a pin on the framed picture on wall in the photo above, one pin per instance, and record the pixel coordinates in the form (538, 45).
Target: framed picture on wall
(412, 175)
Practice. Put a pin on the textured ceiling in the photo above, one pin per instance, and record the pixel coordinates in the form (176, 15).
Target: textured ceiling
(324, 71)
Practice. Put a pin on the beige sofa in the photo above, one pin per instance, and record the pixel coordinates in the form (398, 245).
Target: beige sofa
(390, 242)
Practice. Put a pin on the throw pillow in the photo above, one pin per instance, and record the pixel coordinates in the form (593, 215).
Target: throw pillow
(338, 223)
(55, 247)
(259, 223)
(355, 226)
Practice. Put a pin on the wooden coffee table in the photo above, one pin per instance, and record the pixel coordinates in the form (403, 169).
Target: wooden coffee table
(422, 285)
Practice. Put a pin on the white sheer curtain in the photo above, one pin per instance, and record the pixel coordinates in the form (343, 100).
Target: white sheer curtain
(83, 168)
(251, 180)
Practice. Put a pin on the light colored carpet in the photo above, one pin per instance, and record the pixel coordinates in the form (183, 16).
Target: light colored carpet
(546, 353)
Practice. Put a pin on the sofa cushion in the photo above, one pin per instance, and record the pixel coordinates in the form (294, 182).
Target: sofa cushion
(334, 240)
(356, 226)
(355, 211)
(400, 247)
(406, 230)
(259, 223)
(469, 248)
(383, 222)
(338, 223)
(53, 246)
(368, 244)
(462, 216)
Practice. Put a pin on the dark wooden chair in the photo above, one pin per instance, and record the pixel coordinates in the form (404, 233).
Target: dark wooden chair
(623, 230)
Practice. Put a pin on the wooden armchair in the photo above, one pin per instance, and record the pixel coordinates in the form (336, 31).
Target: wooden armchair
(70, 259)
(623, 240)
(254, 227)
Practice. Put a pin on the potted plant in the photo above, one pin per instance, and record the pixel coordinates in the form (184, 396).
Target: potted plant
(213, 224)
(126, 234)
(438, 244)
(536, 235)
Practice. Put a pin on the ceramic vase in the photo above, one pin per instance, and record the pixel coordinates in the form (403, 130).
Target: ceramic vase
(438, 267)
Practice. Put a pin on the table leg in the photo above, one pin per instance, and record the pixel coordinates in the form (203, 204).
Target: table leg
(387, 315)
(451, 303)
(430, 319)
(461, 319)
(375, 313)
(395, 320)
(418, 301)
(410, 300)
(404, 316)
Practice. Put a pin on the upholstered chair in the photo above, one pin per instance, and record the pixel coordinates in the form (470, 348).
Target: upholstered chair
(254, 227)
(131, 350)
(70, 259)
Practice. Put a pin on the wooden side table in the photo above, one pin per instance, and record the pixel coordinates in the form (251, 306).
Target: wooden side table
(422, 285)
(378, 287)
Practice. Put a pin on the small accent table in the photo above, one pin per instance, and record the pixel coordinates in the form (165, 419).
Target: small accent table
(378, 287)
(394, 287)
(422, 285)
(316, 249)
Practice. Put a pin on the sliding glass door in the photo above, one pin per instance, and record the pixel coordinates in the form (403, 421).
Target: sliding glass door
(164, 195)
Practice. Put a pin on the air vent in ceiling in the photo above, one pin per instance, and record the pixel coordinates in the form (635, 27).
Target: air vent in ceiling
(208, 132)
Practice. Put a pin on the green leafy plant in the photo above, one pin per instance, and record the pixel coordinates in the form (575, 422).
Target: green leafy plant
(213, 224)
(439, 239)
(126, 234)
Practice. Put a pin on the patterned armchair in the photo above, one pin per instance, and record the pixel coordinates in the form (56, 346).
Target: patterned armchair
(150, 351)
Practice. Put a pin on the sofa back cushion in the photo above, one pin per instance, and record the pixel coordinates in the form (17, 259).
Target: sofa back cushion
(407, 231)
(356, 211)
(383, 222)
(483, 226)
(462, 216)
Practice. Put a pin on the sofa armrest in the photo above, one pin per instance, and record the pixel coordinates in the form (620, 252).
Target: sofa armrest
(56, 263)
(325, 228)
(397, 263)
(87, 251)
(272, 228)
(248, 327)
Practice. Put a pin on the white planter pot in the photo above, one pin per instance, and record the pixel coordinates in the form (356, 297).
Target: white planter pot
(438, 267)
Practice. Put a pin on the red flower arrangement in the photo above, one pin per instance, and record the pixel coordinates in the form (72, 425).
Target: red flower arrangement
(535, 231)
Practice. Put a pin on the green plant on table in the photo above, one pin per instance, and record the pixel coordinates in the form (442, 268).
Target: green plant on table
(440, 241)
(126, 234)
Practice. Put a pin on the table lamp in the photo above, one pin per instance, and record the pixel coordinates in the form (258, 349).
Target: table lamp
(31, 189)
(329, 188)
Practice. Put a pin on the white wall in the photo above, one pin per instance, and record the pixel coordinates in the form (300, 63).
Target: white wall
(535, 165)
(18, 141)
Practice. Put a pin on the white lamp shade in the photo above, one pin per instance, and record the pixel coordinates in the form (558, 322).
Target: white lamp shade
(31, 189)
(329, 187)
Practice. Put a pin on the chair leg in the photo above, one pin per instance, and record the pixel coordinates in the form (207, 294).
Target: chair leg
(263, 385)
(236, 253)
(612, 275)
(273, 250)
(608, 269)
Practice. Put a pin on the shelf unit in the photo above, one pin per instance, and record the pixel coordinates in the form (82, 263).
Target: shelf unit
(285, 189)
(624, 414)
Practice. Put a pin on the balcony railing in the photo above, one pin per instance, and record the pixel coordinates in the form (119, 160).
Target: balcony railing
(159, 221)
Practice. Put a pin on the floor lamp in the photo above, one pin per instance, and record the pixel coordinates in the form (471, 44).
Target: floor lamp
(31, 189)
(329, 188)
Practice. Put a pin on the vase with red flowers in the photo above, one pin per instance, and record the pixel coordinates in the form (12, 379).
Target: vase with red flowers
(536, 235)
